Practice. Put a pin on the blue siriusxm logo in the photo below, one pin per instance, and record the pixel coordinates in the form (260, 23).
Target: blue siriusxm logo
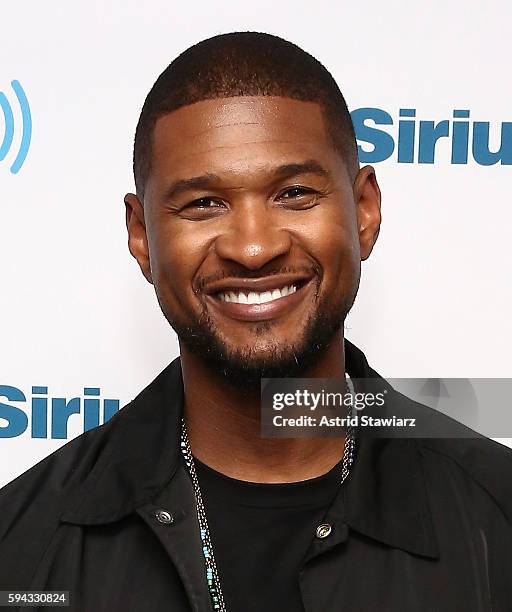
(24, 126)
(91, 407)
(410, 140)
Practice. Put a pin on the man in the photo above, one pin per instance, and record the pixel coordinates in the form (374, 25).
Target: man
(251, 218)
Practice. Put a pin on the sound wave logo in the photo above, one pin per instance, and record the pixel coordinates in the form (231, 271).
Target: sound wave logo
(26, 127)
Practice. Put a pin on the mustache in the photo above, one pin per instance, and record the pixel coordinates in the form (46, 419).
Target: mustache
(245, 273)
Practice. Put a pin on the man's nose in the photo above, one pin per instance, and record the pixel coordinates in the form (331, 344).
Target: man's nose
(253, 237)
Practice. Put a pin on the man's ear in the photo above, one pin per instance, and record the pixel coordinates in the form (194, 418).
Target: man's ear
(137, 238)
(368, 199)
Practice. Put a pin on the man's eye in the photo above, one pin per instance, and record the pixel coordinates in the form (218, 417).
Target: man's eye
(204, 203)
(301, 196)
(294, 192)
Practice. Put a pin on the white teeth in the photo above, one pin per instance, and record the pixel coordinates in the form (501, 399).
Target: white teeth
(256, 297)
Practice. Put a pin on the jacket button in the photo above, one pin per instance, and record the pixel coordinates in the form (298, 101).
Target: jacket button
(323, 530)
(164, 517)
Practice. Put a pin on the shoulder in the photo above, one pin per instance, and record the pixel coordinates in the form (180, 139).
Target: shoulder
(40, 494)
(63, 470)
(480, 461)
(452, 451)
(34, 499)
(31, 504)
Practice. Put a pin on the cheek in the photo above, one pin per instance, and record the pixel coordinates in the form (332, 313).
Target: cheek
(334, 242)
(174, 259)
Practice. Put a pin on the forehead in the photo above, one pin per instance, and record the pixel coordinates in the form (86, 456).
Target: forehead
(238, 133)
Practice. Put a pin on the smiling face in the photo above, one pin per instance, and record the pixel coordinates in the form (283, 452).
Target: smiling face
(252, 233)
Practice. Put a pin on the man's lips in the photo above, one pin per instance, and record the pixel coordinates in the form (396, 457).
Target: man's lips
(265, 283)
(227, 300)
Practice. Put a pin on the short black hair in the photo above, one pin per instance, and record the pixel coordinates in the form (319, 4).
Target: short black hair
(243, 64)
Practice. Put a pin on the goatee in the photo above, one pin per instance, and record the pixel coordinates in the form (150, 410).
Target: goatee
(244, 368)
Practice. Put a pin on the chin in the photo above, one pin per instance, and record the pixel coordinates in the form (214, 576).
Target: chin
(262, 347)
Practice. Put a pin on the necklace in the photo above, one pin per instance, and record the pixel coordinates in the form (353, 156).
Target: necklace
(212, 574)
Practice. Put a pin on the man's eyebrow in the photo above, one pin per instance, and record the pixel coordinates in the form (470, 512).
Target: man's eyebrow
(208, 180)
(311, 166)
(196, 182)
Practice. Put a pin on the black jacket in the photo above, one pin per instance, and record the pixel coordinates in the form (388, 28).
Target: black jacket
(419, 525)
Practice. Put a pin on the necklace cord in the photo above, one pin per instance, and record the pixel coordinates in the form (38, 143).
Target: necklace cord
(212, 573)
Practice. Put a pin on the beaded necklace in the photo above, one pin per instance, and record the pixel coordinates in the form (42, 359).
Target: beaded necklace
(212, 574)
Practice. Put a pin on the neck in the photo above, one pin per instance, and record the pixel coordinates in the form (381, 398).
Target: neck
(223, 425)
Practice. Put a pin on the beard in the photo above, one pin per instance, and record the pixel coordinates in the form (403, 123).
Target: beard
(243, 368)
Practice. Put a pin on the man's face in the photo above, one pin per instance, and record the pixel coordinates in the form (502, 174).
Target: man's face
(250, 233)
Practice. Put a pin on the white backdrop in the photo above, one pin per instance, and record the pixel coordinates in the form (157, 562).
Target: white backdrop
(435, 296)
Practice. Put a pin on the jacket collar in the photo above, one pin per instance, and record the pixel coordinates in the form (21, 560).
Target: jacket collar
(137, 453)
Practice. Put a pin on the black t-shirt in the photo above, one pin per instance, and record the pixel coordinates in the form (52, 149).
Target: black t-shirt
(260, 534)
